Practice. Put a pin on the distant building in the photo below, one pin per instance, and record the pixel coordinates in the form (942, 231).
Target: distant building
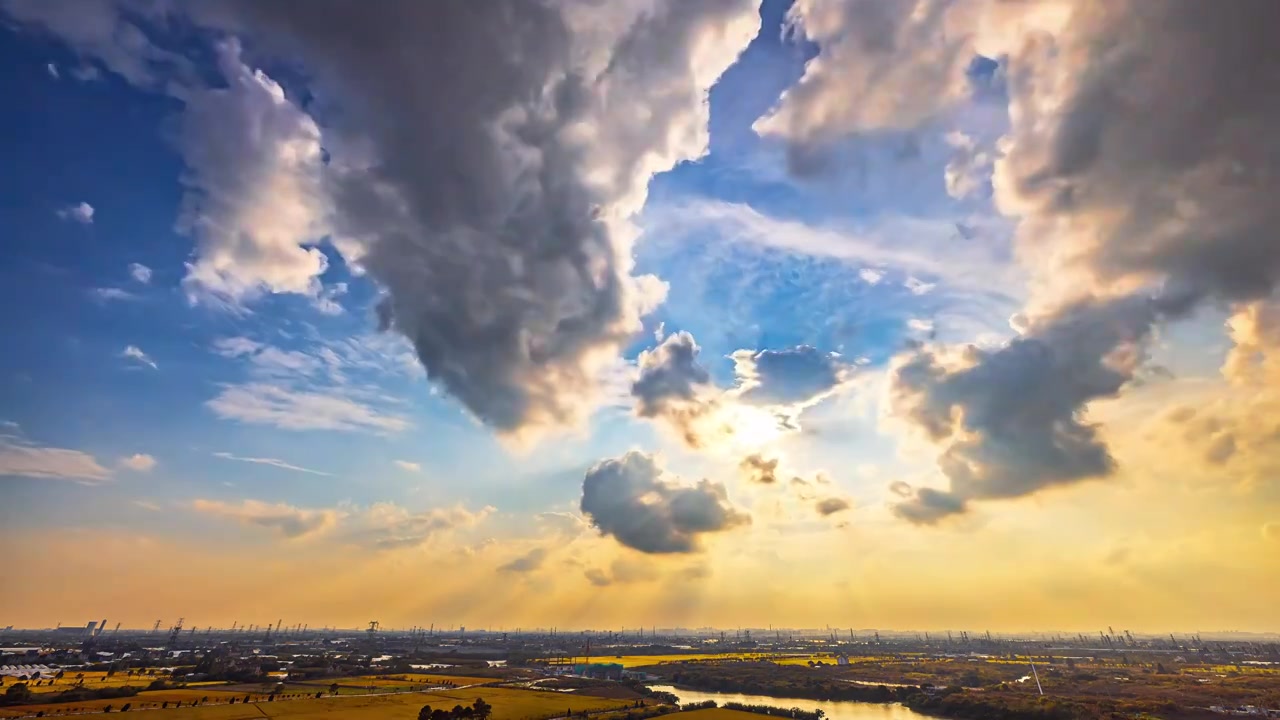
(604, 671)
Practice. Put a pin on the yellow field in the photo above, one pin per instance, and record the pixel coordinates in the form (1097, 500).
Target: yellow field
(638, 660)
(92, 680)
(155, 697)
(508, 704)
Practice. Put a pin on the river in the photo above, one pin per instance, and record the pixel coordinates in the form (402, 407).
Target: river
(834, 709)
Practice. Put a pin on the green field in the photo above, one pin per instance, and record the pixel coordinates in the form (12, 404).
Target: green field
(508, 704)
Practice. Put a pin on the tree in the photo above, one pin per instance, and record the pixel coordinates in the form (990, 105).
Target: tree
(425, 713)
(106, 709)
(333, 688)
(481, 709)
(125, 707)
(17, 693)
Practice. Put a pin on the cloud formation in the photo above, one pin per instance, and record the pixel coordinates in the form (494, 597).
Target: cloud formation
(297, 409)
(1009, 419)
(528, 562)
(81, 212)
(273, 462)
(489, 193)
(759, 469)
(381, 526)
(135, 353)
(673, 386)
(138, 462)
(140, 273)
(831, 506)
(1130, 212)
(286, 520)
(254, 200)
(633, 500)
(772, 389)
(801, 375)
(22, 458)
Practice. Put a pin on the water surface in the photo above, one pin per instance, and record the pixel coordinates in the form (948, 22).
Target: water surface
(834, 709)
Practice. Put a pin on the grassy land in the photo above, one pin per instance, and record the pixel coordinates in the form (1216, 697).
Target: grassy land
(717, 714)
(508, 704)
(94, 680)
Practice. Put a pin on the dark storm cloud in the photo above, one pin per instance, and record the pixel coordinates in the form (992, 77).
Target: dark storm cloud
(631, 499)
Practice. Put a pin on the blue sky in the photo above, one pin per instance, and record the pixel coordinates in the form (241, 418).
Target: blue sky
(106, 143)
(202, 227)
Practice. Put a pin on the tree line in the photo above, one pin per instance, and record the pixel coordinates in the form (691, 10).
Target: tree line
(478, 710)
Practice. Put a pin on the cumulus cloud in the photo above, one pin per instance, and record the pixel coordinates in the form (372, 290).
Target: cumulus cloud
(831, 506)
(283, 519)
(81, 212)
(135, 353)
(22, 458)
(598, 577)
(528, 562)
(759, 469)
(273, 462)
(407, 466)
(489, 192)
(633, 500)
(297, 409)
(138, 462)
(140, 273)
(673, 386)
(254, 201)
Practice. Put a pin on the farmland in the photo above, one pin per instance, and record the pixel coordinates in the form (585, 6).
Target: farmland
(508, 704)
(630, 661)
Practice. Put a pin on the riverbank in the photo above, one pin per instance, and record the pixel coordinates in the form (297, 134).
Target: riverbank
(999, 701)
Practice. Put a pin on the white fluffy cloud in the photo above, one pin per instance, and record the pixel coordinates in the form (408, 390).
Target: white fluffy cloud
(135, 353)
(407, 466)
(81, 212)
(254, 201)
(140, 273)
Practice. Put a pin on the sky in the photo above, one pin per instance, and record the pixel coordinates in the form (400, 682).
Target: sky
(900, 315)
